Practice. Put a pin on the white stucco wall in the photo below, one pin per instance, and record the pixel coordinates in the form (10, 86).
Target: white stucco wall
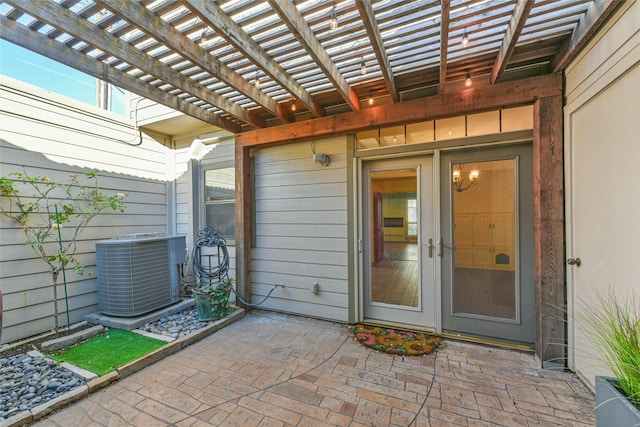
(602, 150)
(50, 135)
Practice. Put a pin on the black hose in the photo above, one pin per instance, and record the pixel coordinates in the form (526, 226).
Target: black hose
(212, 273)
(210, 238)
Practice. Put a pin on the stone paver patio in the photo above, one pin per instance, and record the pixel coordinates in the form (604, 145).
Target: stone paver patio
(271, 369)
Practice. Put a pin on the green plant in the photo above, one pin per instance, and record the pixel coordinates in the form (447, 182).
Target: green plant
(103, 353)
(215, 296)
(53, 214)
(613, 325)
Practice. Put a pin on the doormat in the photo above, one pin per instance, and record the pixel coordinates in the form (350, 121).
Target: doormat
(393, 341)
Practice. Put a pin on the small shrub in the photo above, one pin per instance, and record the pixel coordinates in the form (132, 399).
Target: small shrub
(613, 325)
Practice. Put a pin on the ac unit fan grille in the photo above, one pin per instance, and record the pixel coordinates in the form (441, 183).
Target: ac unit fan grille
(134, 277)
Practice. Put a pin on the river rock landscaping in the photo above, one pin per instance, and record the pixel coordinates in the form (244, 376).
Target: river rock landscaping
(28, 380)
(176, 325)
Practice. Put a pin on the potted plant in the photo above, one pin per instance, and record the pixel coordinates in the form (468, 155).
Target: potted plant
(613, 325)
(212, 299)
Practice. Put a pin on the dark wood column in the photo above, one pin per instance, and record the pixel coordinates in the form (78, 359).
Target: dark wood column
(548, 188)
(243, 221)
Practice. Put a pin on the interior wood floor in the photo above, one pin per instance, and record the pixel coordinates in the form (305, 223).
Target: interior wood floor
(475, 291)
(395, 279)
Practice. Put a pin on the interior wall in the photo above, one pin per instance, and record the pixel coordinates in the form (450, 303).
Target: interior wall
(46, 134)
(396, 193)
(602, 149)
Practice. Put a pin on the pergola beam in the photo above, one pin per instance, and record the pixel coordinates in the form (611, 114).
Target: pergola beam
(371, 27)
(168, 35)
(305, 36)
(501, 95)
(18, 34)
(444, 43)
(516, 24)
(70, 23)
(213, 15)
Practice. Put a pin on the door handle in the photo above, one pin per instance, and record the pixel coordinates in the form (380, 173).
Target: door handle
(574, 261)
(443, 245)
(431, 246)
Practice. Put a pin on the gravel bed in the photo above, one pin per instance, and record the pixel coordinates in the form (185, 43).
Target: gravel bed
(27, 381)
(177, 325)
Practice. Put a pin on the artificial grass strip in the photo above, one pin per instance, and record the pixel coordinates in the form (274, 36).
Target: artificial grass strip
(104, 353)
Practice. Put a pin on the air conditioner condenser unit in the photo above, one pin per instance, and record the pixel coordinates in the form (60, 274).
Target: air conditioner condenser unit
(138, 273)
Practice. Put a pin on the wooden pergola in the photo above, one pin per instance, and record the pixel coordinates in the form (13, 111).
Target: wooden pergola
(280, 71)
(242, 65)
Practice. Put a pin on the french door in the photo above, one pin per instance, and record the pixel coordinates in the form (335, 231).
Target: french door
(486, 201)
(399, 242)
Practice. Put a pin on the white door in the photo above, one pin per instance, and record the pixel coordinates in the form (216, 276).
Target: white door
(603, 205)
(399, 242)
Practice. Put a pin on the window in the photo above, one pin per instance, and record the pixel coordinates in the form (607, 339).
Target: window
(220, 201)
(22, 64)
(412, 217)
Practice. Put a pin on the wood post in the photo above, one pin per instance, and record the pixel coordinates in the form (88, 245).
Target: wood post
(243, 222)
(548, 202)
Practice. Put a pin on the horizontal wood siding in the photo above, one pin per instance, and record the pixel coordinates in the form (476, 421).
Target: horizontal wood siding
(50, 135)
(184, 196)
(301, 229)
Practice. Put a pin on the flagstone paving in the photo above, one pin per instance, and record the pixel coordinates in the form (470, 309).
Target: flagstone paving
(271, 369)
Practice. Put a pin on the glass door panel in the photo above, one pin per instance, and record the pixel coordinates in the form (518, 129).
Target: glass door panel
(394, 263)
(398, 237)
(484, 203)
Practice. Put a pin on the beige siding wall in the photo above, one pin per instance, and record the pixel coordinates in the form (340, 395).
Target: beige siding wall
(301, 229)
(51, 135)
(601, 150)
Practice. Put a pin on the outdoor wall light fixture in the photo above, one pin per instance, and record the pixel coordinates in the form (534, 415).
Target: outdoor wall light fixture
(459, 181)
(467, 80)
(465, 39)
(321, 158)
(333, 23)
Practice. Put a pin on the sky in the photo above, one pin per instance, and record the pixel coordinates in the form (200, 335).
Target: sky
(22, 64)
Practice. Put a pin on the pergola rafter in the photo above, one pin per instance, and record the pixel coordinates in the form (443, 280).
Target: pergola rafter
(305, 36)
(214, 16)
(21, 36)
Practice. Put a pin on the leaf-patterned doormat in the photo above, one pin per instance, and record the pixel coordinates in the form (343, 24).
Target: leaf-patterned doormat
(395, 341)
